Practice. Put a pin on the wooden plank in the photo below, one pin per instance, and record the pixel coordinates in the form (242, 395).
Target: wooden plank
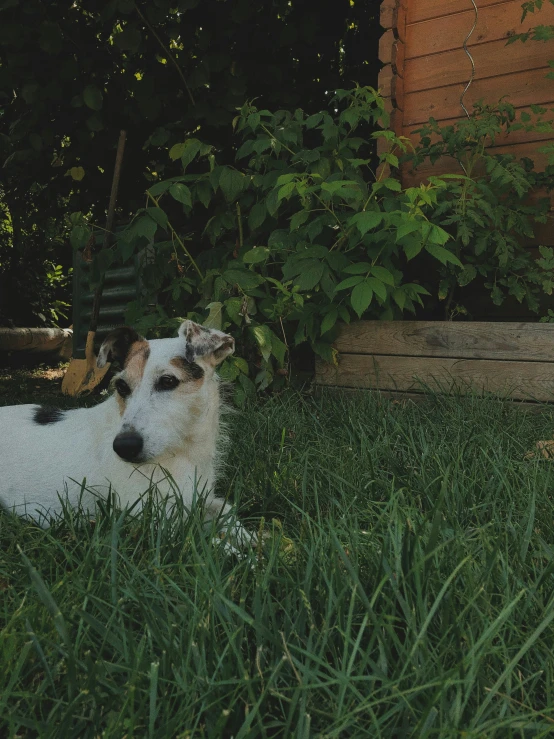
(400, 25)
(385, 46)
(452, 339)
(391, 86)
(403, 399)
(491, 59)
(424, 10)
(522, 380)
(384, 80)
(521, 89)
(495, 22)
(388, 13)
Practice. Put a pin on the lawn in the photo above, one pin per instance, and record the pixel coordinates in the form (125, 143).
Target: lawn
(405, 587)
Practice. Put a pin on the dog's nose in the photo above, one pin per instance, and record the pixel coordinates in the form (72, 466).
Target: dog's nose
(128, 445)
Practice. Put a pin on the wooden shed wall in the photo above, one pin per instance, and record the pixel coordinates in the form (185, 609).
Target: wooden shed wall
(426, 68)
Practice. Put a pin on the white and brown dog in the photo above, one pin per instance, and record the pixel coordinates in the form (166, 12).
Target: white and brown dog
(160, 428)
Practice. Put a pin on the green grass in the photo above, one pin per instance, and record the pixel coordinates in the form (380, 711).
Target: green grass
(406, 588)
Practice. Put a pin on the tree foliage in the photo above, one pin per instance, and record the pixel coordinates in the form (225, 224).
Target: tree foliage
(72, 75)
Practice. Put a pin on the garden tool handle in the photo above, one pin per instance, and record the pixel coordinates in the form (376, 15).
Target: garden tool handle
(109, 225)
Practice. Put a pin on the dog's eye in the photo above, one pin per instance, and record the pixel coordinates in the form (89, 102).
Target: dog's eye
(122, 388)
(167, 382)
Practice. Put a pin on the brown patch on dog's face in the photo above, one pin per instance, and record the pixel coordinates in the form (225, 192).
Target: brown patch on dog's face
(190, 373)
(136, 361)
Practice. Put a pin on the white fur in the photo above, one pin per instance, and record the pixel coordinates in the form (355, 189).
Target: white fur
(74, 459)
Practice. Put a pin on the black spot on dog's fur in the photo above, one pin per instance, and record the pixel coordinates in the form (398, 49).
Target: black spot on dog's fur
(46, 414)
(191, 368)
(196, 371)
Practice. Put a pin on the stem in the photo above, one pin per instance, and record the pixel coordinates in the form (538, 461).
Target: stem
(239, 220)
(169, 54)
(272, 136)
(178, 238)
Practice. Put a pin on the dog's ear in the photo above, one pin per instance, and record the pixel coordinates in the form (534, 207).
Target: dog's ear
(116, 346)
(206, 343)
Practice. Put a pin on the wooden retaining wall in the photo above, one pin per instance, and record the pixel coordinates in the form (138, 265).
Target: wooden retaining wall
(426, 69)
(512, 359)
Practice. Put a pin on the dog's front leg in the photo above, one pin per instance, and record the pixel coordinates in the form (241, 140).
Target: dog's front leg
(229, 527)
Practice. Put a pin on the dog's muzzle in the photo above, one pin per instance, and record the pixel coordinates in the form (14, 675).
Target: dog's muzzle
(128, 445)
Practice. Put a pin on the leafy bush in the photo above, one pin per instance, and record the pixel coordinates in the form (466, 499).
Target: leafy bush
(34, 286)
(304, 234)
(491, 211)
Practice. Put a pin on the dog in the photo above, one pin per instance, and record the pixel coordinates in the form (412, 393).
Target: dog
(160, 429)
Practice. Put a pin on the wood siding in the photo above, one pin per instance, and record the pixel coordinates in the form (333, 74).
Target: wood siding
(426, 68)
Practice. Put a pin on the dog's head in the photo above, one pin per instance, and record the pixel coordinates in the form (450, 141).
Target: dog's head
(166, 389)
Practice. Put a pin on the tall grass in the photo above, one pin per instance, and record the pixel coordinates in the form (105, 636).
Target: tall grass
(405, 588)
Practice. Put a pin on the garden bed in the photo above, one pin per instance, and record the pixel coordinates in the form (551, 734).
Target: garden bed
(515, 360)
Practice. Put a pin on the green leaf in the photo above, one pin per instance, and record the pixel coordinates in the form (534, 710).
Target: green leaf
(329, 320)
(77, 173)
(234, 307)
(393, 185)
(244, 278)
(378, 288)
(232, 183)
(286, 191)
(310, 276)
(79, 236)
(159, 215)
(366, 220)
(412, 248)
(361, 297)
(443, 255)
(272, 203)
(181, 193)
(383, 274)
(361, 268)
(438, 235)
(285, 179)
(468, 274)
(278, 348)
(214, 317)
(204, 192)
(241, 363)
(257, 216)
(159, 188)
(176, 151)
(407, 227)
(245, 150)
(313, 120)
(263, 337)
(349, 282)
(190, 150)
(256, 255)
(399, 297)
(93, 97)
(299, 219)
(145, 226)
